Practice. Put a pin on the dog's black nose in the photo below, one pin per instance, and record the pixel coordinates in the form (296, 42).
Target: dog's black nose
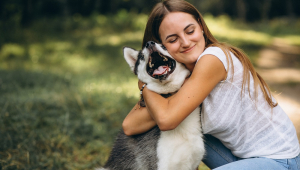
(149, 44)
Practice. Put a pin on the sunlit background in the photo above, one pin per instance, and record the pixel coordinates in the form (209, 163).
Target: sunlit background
(65, 87)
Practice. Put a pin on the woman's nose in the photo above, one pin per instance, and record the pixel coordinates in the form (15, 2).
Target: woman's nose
(185, 42)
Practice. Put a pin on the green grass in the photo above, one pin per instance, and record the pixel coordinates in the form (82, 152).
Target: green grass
(65, 87)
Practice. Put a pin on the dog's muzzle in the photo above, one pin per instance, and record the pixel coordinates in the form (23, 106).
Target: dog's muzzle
(159, 66)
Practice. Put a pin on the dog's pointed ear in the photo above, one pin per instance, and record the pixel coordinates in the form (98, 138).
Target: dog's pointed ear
(130, 56)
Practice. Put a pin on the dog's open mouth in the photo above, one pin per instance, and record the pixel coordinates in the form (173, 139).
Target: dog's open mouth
(160, 66)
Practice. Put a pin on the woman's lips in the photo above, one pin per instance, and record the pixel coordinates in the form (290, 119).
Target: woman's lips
(188, 50)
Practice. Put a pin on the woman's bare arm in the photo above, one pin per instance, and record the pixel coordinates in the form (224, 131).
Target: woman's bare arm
(138, 121)
(169, 113)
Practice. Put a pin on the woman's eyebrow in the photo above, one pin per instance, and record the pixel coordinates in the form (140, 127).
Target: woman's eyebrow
(183, 30)
(187, 26)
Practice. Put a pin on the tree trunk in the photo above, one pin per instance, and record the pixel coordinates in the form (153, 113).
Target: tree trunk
(290, 10)
(265, 10)
(26, 13)
(241, 10)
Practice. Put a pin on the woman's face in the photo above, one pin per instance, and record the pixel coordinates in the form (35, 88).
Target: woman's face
(182, 35)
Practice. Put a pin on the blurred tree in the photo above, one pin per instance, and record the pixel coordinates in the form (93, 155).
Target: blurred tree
(290, 9)
(24, 11)
(266, 5)
(241, 10)
(104, 6)
(27, 8)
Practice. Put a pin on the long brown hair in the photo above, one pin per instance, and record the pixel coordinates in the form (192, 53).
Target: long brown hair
(166, 6)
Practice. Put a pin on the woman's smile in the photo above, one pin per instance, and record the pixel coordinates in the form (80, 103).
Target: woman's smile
(189, 49)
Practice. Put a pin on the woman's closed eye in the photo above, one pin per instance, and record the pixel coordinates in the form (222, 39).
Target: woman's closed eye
(172, 40)
(191, 31)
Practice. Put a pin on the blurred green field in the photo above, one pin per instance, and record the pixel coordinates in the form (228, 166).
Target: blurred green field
(65, 87)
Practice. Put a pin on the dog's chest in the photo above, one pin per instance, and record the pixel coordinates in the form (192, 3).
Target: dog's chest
(183, 146)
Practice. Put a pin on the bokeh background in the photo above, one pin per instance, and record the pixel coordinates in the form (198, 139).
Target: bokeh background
(65, 87)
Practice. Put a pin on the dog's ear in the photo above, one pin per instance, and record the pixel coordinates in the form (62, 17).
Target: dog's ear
(130, 56)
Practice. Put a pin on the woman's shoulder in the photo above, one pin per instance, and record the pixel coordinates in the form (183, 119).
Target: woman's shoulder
(215, 51)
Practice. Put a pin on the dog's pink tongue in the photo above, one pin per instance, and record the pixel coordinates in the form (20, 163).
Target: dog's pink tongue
(160, 70)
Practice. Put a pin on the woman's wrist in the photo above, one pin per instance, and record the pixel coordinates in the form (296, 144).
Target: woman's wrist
(141, 90)
(141, 101)
(140, 84)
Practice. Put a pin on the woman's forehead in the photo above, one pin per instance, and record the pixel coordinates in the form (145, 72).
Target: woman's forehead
(176, 21)
(178, 16)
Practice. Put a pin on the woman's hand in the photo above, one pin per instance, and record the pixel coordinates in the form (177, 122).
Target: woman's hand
(138, 120)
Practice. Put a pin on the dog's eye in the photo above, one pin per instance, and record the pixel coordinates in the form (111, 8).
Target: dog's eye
(163, 47)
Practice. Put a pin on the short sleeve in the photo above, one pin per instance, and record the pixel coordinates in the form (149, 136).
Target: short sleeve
(218, 52)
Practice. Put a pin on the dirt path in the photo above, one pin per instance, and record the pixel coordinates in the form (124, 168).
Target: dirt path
(279, 65)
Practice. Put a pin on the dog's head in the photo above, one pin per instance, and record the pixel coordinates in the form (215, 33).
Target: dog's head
(156, 67)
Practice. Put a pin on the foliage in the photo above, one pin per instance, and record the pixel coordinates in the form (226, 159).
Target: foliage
(26, 11)
(65, 90)
(65, 87)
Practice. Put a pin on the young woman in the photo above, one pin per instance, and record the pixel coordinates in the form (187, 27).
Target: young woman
(243, 125)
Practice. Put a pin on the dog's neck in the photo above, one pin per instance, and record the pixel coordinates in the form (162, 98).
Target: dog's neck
(167, 95)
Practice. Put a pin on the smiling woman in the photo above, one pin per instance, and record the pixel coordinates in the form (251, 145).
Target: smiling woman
(239, 117)
(182, 35)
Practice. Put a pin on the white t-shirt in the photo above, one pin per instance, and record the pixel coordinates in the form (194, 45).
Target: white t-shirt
(248, 127)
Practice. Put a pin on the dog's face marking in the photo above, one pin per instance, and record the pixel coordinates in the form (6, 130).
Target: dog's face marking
(154, 66)
(139, 58)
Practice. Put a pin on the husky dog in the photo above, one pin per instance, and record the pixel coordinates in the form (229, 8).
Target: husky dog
(179, 149)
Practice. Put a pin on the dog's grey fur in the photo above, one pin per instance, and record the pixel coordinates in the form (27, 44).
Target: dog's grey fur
(134, 152)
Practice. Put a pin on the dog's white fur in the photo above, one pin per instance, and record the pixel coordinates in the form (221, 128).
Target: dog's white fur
(181, 148)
